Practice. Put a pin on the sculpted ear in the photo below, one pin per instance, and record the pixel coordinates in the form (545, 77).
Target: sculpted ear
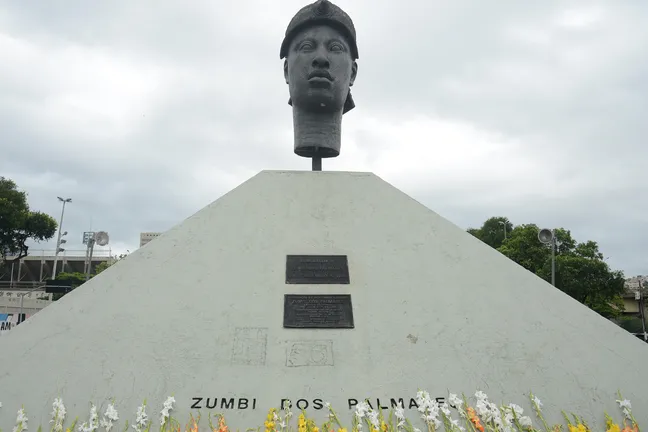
(286, 70)
(354, 72)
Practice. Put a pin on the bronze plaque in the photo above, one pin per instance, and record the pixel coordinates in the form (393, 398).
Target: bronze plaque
(317, 269)
(318, 311)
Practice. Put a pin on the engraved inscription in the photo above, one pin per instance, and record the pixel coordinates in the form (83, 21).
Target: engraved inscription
(310, 353)
(318, 311)
(317, 269)
(249, 346)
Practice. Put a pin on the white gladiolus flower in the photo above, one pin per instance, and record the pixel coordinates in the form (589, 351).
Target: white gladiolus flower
(21, 421)
(481, 396)
(455, 423)
(373, 418)
(142, 418)
(537, 402)
(517, 409)
(525, 421)
(166, 407)
(399, 413)
(361, 409)
(58, 414)
(109, 417)
(93, 423)
(455, 401)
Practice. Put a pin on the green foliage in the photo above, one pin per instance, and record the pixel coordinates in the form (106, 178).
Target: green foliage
(493, 231)
(76, 278)
(18, 223)
(581, 271)
(79, 278)
(105, 264)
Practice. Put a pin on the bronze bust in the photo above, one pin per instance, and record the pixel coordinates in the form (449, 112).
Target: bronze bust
(320, 66)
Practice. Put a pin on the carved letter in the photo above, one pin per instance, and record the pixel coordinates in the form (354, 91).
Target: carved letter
(395, 403)
(352, 403)
(242, 403)
(317, 404)
(213, 406)
(196, 402)
(227, 404)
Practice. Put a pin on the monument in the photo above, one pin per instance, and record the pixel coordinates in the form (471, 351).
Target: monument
(320, 67)
(314, 288)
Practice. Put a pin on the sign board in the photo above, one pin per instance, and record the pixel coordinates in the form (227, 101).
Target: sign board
(9, 321)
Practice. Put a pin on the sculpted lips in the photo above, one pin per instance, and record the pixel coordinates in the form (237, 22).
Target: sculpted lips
(319, 74)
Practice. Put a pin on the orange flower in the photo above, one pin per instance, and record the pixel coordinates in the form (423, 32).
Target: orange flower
(474, 419)
(194, 424)
(222, 427)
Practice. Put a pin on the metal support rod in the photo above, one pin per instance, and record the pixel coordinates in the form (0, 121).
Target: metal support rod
(22, 296)
(642, 311)
(58, 240)
(91, 243)
(317, 164)
(553, 257)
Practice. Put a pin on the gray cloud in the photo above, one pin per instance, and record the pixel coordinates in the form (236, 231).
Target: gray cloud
(144, 113)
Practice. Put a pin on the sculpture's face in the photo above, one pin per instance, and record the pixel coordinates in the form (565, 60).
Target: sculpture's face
(319, 69)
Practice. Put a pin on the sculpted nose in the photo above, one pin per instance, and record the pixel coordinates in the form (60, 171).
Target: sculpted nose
(320, 61)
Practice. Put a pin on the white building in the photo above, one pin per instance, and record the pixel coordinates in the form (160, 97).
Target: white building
(146, 237)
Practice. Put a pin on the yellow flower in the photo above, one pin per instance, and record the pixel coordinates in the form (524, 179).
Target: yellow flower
(301, 423)
(315, 429)
(342, 430)
(271, 414)
(613, 428)
(579, 428)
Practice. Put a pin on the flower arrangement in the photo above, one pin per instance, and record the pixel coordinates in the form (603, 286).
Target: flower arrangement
(483, 416)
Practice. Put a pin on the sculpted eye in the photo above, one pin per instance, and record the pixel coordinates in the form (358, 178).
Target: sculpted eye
(336, 46)
(306, 45)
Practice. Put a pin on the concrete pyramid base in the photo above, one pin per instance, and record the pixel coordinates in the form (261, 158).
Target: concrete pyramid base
(198, 313)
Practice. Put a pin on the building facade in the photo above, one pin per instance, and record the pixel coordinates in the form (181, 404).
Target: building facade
(146, 237)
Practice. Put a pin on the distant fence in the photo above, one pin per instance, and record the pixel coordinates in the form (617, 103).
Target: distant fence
(74, 253)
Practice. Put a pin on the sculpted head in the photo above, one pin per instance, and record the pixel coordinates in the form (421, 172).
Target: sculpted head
(320, 59)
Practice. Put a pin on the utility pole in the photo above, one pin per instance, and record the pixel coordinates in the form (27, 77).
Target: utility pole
(642, 308)
(58, 240)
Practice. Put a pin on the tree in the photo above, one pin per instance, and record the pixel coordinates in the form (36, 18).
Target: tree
(18, 223)
(581, 271)
(493, 232)
(80, 278)
(76, 278)
(105, 264)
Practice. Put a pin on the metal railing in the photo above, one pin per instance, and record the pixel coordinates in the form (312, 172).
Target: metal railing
(19, 285)
(75, 253)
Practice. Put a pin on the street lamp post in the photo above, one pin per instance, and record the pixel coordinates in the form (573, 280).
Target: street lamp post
(22, 296)
(642, 311)
(58, 240)
(548, 236)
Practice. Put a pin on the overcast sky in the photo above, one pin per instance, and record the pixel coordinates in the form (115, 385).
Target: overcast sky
(145, 112)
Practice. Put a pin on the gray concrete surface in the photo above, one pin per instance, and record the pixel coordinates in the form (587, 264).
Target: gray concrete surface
(198, 314)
